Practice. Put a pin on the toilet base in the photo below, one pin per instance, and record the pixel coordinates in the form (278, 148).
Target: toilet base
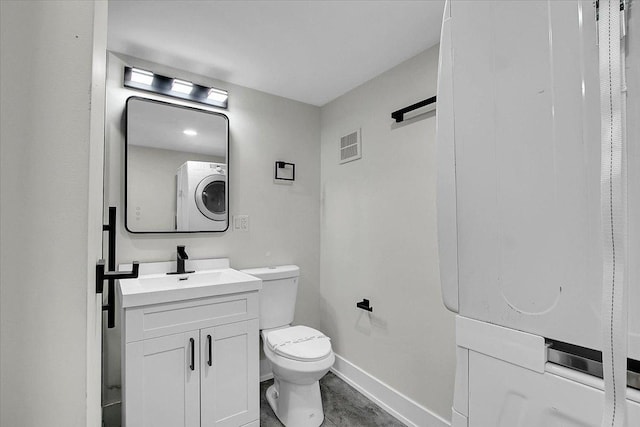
(296, 405)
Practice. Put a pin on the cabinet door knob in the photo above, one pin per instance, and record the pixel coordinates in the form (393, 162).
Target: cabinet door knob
(210, 351)
(192, 342)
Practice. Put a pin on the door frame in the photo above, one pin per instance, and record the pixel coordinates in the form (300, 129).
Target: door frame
(95, 213)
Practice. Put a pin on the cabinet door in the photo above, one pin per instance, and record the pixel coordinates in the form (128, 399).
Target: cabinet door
(162, 382)
(229, 380)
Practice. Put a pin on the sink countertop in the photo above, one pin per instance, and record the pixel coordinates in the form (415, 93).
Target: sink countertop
(158, 287)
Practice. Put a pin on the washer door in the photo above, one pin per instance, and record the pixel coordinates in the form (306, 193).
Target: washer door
(211, 197)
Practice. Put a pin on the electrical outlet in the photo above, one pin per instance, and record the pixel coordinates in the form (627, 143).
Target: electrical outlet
(241, 222)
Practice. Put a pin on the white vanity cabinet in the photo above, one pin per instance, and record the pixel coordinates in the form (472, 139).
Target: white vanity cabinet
(159, 387)
(229, 377)
(191, 363)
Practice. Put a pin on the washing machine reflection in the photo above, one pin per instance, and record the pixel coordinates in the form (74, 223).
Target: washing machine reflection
(201, 197)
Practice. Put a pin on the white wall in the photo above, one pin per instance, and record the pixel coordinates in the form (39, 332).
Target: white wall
(378, 238)
(49, 350)
(283, 218)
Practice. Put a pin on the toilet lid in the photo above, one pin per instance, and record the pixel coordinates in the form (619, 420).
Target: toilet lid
(299, 343)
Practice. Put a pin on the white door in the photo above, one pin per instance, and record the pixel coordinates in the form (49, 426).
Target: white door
(229, 386)
(163, 382)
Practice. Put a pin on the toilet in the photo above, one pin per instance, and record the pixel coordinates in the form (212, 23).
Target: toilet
(299, 355)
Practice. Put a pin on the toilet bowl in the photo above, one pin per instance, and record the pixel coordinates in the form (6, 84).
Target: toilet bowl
(299, 355)
(297, 368)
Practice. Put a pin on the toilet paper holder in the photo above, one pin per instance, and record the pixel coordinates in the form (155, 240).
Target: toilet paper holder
(364, 305)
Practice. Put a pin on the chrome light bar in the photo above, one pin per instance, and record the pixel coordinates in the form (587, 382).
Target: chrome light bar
(137, 78)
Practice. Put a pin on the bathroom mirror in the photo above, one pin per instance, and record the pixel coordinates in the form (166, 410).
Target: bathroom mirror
(176, 168)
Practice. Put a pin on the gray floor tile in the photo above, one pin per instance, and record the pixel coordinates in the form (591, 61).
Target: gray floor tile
(267, 416)
(328, 423)
(112, 415)
(343, 406)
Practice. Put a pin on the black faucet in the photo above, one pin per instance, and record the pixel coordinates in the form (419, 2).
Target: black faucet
(182, 255)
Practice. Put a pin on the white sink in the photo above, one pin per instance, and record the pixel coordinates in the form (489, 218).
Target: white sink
(211, 278)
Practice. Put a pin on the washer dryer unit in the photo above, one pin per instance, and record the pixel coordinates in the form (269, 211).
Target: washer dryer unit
(520, 232)
(202, 197)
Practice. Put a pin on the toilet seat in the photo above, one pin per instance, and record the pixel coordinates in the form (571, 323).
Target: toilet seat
(300, 343)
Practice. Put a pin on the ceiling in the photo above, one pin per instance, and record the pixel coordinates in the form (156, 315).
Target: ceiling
(309, 51)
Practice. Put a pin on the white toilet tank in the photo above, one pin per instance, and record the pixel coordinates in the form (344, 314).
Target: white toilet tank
(278, 294)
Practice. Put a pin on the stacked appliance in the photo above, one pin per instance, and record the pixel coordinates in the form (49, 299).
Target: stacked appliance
(519, 213)
(201, 197)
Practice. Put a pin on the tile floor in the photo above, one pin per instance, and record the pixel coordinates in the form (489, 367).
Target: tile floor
(343, 407)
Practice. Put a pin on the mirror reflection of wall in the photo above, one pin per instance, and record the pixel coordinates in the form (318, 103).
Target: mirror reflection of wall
(176, 168)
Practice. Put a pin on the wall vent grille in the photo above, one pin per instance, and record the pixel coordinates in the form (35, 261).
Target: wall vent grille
(350, 147)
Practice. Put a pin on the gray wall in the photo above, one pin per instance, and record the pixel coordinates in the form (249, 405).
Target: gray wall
(283, 218)
(378, 238)
(51, 133)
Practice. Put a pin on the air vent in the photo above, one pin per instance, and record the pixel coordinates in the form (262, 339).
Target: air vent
(350, 147)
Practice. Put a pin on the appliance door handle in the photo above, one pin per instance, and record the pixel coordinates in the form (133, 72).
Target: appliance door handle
(192, 342)
(210, 361)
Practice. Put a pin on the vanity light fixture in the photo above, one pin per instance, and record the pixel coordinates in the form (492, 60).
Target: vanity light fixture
(142, 76)
(190, 132)
(137, 78)
(217, 95)
(182, 86)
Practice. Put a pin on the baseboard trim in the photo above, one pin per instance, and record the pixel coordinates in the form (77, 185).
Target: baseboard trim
(266, 377)
(265, 370)
(395, 403)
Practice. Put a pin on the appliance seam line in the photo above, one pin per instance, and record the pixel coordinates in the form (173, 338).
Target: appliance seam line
(613, 244)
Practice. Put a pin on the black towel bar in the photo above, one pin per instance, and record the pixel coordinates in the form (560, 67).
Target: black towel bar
(399, 115)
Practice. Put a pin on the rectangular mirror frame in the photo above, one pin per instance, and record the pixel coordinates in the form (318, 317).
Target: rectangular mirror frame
(126, 166)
